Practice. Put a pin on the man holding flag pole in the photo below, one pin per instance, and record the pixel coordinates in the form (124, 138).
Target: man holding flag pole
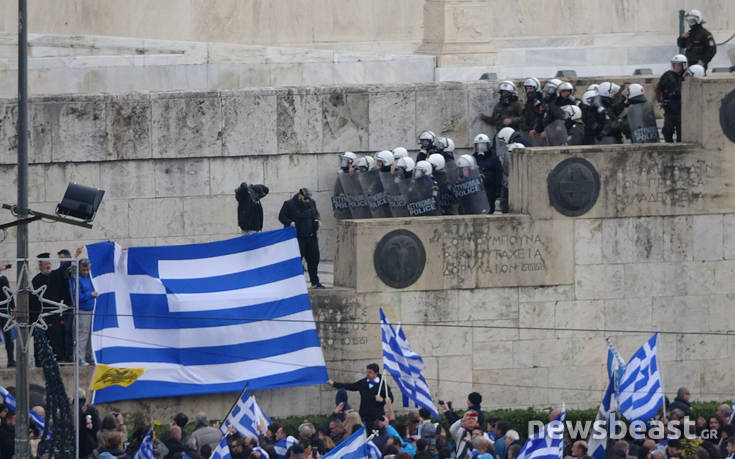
(373, 393)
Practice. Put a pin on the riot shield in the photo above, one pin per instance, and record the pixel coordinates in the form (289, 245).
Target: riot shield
(470, 192)
(340, 201)
(393, 192)
(446, 178)
(642, 123)
(373, 190)
(355, 197)
(421, 200)
(556, 133)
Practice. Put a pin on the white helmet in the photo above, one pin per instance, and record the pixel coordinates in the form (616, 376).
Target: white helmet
(441, 143)
(606, 89)
(614, 89)
(552, 85)
(450, 146)
(695, 71)
(565, 86)
(532, 82)
(588, 96)
(513, 146)
(427, 136)
(593, 87)
(482, 138)
(405, 163)
(505, 133)
(679, 59)
(371, 162)
(437, 161)
(363, 163)
(399, 152)
(572, 112)
(635, 90)
(507, 86)
(693, 17)
(348, 158)
(465, 161)
(385, 157)
(422, 168)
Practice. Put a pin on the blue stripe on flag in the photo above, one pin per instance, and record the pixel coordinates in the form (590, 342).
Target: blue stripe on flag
(105, 312)
(151, 312)
(214, 354)
(102, 258)
(144, 260)
(259, 276)
(152, 389)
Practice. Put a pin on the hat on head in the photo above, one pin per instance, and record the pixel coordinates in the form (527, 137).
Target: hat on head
(305, 193)
(43, 255)
(64, 252)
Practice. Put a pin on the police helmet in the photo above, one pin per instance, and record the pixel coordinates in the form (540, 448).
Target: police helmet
(405, 163)
(695, 71)
(635, 90)
(693, 17)
(437, 161)
(505, 134)
(399, 152)
(532, 83)
(572, 112)
(507, 86)
(422, 168)
(385, 157)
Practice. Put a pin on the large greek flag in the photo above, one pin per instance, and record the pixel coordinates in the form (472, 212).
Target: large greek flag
(547, 443)
(641, 394)
(356, 446)
(205, 318)
(405, 366)
(609, 405)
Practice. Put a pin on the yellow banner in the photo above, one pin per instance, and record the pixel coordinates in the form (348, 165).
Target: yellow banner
(106, 376)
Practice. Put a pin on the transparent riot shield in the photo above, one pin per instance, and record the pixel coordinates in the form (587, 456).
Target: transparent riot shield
(373, 190)
(446, 178)
(470, 191)
(396, 197)
(355, 197)
(340, 200)
(642, 123)
(556, 133)
(421, 200)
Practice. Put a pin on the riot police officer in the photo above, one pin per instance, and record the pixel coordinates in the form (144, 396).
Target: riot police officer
(639, 122)
(507, 111)
(612, 128)
(532, 113)
(668, 93)
(427, 145)
(698, 43)
(444, 178)
(405, 165)
(491, 169)
(574, 125)
(593, 116)
(565, 95)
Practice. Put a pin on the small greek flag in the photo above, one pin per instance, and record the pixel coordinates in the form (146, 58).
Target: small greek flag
(146, 448)
(222, 451)
(282, 446)
(9, 401)
(247, 417)
(547, 443)
(609, 405)
(355, 447)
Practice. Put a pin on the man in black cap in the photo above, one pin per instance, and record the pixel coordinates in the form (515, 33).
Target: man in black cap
(249, 209)
(35, 306)
(300, 212)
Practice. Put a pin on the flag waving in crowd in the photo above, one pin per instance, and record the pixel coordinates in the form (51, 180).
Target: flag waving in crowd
(548, 442)
(640, 393)
(205, 318)
(246, 417)
(608, 407)
(356, 446)
(405, 366)
(146, 448)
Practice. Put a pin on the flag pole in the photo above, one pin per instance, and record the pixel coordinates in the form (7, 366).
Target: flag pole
(661, 378)
(234, 404)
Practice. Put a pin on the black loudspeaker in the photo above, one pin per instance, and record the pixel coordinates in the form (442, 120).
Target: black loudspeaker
(80, 202)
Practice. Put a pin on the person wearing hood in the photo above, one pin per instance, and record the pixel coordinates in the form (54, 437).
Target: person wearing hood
(249, 208)
(301, 213)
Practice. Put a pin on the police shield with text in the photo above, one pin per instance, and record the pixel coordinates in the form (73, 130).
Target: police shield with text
(469, 189)
(373, 188)
(641, 119)
(340, 198)
(351, 185)
(391, 183)
(445, 173)
(422, 192)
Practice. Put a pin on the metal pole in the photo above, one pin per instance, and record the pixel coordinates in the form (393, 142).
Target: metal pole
(21, 372)
(75, 310)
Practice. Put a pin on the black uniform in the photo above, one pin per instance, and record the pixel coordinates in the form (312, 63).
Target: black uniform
(612, 129)
(575, 132)
(699, 45)
(61, 330)
(249, 209)
(491, 171)
(668, 93)
(447, 201)
(8, 335)
(35, 307)
(594, 117)
(370, 409)
(532, 118)
(306, 218)
(552, 109)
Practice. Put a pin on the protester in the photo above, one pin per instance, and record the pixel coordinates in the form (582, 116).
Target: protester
(300, 212)
(203, 433)
(87, 297)
(249, 208)
(373, 393)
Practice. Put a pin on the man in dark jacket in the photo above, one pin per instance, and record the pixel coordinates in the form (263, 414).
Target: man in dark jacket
(507, 111)
(301, 213)
(249, 209)
(7, 435)
(682, 401)
(8, 335)
(698, 42)
(372, 403)
(668, 93)
(34, 304)
(491, 169)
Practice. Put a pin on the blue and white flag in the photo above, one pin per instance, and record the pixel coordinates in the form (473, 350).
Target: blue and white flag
(609, 405)
(247, 417)
(406, 367)
(282, 446)
(355, 446)
(146, 448)
(548, 442)
(640, 393)
(222, 451)
(205, 318)
(9, 401)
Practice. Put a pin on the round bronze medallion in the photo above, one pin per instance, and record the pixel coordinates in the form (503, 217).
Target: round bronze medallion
(727, 115)
(574, 186)
(399, 258)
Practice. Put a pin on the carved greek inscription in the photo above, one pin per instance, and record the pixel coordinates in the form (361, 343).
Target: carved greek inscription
(673, 184)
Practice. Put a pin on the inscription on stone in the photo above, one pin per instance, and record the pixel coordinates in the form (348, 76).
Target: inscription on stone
(674, 184)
